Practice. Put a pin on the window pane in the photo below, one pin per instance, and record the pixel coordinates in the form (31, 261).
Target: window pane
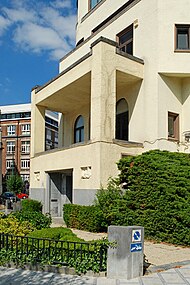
(171, 126)
(77, 136)
(79, 130)
(126, 40)
(122, 120)
(126, 37)
(82, 135)
(79, 122)
(129, 48)
(182, 40)
(93, 3)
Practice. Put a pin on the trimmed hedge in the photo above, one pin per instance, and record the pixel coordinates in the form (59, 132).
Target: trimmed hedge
(56, 234)
(156, 196)
(88, 218)
(37, 219)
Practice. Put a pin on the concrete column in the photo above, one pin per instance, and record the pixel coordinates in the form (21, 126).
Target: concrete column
(37, 127)
(125, 259)
(60, 131)
(103, 93)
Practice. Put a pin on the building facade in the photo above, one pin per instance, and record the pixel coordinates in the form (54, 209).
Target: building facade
(124, 90)
(16, 127)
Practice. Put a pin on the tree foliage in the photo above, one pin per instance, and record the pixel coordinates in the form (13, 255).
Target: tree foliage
(14, 183)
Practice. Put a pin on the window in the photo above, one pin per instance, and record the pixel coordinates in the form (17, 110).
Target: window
(122, 120)
(79, 130)
(11, 130)
(25, 129)
(125, 40)
(25, 147)
(173, 126)
(93, 3)
(25, 163)
(25, 177)
(182, 37)
(10, 147)
(9, 163)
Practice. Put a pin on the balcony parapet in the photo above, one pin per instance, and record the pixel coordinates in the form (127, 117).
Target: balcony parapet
(127, 144)
(86, 56)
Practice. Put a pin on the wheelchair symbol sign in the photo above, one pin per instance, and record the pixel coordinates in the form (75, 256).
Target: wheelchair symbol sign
(136, 235)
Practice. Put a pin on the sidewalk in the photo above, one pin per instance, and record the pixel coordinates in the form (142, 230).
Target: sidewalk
(177, 276)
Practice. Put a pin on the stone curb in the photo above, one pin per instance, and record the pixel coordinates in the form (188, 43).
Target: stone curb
(164, 267)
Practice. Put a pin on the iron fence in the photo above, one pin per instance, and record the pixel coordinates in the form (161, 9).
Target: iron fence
(48, 251)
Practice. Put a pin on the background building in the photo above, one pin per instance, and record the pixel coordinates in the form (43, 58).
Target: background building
(16, 133)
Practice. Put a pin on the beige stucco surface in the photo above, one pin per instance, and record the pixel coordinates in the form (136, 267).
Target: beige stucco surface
(153, 82)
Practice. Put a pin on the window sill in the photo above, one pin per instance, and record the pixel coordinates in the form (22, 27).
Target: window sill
(182, 50)
(173, 139)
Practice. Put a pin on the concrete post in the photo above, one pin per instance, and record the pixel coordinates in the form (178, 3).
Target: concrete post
(125, 260)
(37, 127)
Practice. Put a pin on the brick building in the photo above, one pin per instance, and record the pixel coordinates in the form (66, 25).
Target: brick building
(15, 128)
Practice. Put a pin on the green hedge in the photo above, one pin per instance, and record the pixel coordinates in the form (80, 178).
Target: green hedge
(88, 218)
(37, 219)
(56, 234)
(30, 205)
(157, 194)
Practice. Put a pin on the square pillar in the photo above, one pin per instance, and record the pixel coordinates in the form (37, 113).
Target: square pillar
(37, 127)
(103, 93)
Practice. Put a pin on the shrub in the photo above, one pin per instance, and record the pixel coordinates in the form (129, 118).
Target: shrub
(37, 219)
(87, 218)
(11, 225)
(30, 205)
(56, 234)
(158, 194)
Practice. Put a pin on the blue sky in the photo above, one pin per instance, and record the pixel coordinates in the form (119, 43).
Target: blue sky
(34, 35)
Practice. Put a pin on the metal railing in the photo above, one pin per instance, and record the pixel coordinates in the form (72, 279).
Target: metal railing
(48, 251)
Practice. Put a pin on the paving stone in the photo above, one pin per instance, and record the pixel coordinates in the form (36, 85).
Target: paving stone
(106, 281)
(150, 281)
(129, 282)
(171, 278)
(184, 271)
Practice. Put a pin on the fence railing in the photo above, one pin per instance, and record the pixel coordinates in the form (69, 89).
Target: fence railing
(48, 251)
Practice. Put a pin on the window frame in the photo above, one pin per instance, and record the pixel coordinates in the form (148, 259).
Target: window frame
(182, 26)
(175, 118)
(25, 129)
(25, 147)
(123, 32)
(90, 7)
(11, 130)
(10, 164)
(25, 163)
(10, 147)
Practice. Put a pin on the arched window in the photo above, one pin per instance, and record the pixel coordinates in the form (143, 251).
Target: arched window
(79, 130)
(122, 120)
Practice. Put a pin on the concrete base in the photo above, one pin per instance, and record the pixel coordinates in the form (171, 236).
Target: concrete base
(125, 260)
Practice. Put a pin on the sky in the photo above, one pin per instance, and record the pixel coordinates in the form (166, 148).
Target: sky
(34, 35)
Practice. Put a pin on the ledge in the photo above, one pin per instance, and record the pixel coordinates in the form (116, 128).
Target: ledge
(128, 144)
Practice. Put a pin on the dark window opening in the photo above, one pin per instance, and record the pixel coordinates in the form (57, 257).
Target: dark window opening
(79, 130)
(122, 120)
(173, 126)
(125, 40)
(182, 37)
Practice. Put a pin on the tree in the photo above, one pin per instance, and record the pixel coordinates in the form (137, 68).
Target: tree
(14, 183)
